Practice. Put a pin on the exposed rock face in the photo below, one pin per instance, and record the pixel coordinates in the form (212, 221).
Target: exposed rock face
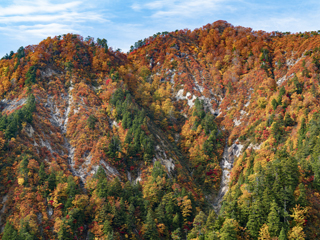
(61, 121)
(29, 130)
(9, 105)
(161, 148)
(229, 155)
(162, 156)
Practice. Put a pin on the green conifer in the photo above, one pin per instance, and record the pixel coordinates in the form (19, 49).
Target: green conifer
(228, 230)
(131, 217)
(274, 220)
(107, 229)
(42, 173)
(12, 129)
(176, 221)
(211, 220)
(302, 199)
(282, 235)
(3, 122)
(150, 227)
(274, 104)
(255, 219)
(10, 233)
(52, 180)
(176, 234)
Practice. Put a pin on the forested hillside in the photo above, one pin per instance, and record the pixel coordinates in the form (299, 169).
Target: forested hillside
(204, 134)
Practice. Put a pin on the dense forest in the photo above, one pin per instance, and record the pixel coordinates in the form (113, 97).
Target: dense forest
(204, 134)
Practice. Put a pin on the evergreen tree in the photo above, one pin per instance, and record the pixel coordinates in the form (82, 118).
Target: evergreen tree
(20, 53)
(107, 229)
(255, 219)
(114, 147)
(209, 124)
(175, 235)
(101, 174)
(12, 129)
(31, 103)
(298, 85)
(103, 188)
(198, 109)
(24, 232)
(149, 151)
(120, 215)
(210, 144)
(316, 170)
(266, 200)
(219, 222)
(282, 235)
(63, 233)
(3, 122)
(150, 227)
(212, 236)
(29, 108)
(290, 178)
(72, 189)
(176, 221)
(230, 207)
(130, 218)
(302, 133)
(228, 230)
(288, 121)
(198, 229)
(92, 122)
(31, 75)
(274, 104)
(274, 220)
(281, 93)
(42, 173)
(19, 117)
(158, 170)
(115, 188)
(10, 233)
(24, 165)
(302, 199)
(211, 220)
(110, 236)
(159, 214)
(52, 180)
(126, 123)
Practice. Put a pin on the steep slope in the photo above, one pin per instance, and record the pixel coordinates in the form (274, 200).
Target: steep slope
(82, 117)
(262, 87)
(100, 144)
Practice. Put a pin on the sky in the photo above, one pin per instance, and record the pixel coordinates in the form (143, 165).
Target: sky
(122, 23)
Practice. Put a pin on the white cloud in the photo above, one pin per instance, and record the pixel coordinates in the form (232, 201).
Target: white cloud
(26, 33)
(42, 18)
(62, 17)
(20, 7)
(284, 23)
(159, 4)
(136, 7)
(180, 8)
(45, 30)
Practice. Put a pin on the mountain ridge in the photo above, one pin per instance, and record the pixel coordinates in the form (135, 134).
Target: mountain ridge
(230, 113)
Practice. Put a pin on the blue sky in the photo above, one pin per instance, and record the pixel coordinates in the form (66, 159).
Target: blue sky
(26, 22)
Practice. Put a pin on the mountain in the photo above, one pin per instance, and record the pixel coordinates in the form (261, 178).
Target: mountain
(204, 134)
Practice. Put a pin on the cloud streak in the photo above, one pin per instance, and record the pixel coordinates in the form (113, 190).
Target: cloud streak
(179, 8)
(42, 18)
(62, 17)
(20, 7)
